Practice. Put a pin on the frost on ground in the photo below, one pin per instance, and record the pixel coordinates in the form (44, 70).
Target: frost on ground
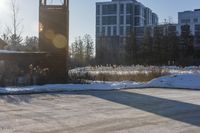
(185, 81)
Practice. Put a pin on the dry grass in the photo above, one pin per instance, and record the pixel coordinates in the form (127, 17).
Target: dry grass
(137, 77)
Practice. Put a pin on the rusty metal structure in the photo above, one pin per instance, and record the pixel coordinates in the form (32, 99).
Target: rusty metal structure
(53, 38)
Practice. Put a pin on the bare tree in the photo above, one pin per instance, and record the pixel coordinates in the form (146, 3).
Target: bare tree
(89, 48)
(15, 20)
(16, 29)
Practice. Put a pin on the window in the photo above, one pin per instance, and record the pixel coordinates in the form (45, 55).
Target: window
(137, 10)
(109, 31)
(97, 31)
(109, 9)
(129, 8)
(195, 20)
(103, 31)
(114, 31)
(137, 21)
(122, 9)
(109, 20)
(197, 27)
(197, 34)
(121, 30)
(143, 13)
(184, 21)
(98, 10)
(128, 19)
(98, 20)
(121, 20)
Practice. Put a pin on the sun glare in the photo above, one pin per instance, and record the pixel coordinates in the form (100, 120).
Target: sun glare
(3, 4)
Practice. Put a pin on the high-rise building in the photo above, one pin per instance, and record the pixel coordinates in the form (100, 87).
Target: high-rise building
(192, 19)
(115, 21)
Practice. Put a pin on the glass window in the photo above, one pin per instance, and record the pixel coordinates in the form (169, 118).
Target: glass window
(137, 21)
(97, 31)
(109, 20)
(137, 10)
(109, 31)
(98, 10)
(122, 9)
(195, 20)
(121, 30)
(114, 31)
(185, 21)
(129, 8)
(121, 19)
(98, 20)
(197, 27)
(103, 31)
(109, 9)
(128, 19)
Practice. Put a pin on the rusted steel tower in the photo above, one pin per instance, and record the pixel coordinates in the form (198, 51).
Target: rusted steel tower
(54, 36)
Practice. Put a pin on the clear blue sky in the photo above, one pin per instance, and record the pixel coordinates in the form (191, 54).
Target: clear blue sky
(82, 14)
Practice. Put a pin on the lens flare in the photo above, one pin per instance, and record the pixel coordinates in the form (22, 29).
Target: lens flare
(60, 41)
(41, 27)
(49, 34)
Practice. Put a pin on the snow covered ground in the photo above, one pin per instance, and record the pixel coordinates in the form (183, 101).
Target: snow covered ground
(185, 81)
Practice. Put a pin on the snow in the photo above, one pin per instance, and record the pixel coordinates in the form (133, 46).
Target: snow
(68, 87)
(18, 52)
(184, 81)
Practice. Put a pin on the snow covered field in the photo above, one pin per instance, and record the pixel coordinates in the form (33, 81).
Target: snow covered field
(185, 81)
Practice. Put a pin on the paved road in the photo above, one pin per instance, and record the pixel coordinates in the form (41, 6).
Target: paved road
(127, 111)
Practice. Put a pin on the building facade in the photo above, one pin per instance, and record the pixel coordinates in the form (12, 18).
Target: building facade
(115, 21)
(192, 19)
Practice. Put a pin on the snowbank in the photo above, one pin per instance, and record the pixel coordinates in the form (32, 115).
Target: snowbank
(185, 81)
(69, 87)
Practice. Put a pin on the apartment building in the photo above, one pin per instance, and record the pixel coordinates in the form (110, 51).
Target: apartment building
(115, 21)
